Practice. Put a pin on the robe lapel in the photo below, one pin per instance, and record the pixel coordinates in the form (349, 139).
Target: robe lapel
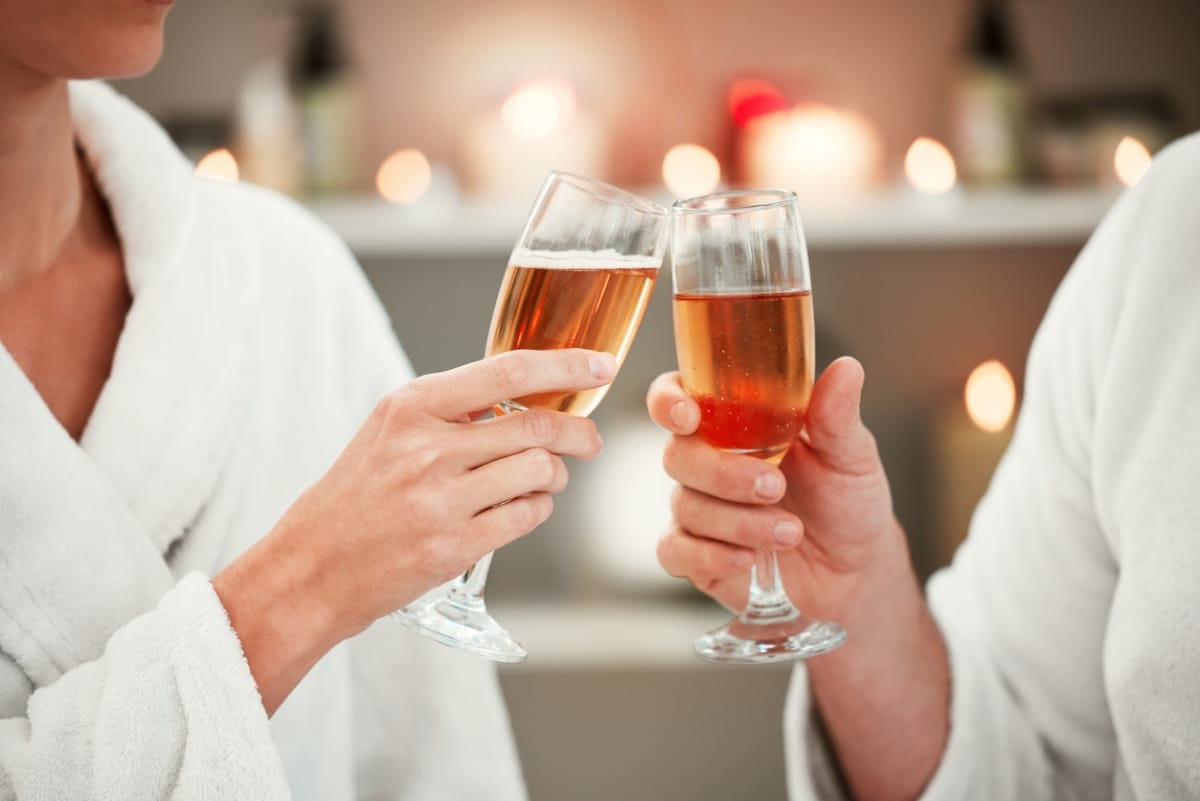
(83, 527)
(163, 425)
(74, 562)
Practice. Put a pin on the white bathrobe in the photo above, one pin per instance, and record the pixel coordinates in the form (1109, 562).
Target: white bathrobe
(1072, 612)
(253, 350)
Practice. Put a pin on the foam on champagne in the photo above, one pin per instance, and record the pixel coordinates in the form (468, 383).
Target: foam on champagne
(581, 260)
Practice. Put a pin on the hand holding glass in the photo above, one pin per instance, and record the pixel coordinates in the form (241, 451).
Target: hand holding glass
(744, 339)
(580, 276)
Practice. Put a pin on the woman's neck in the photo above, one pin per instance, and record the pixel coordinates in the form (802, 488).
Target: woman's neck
(41, 189)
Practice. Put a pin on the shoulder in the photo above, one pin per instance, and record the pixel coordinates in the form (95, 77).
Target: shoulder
(1148, 240)
(308, 283)
(273, 225)
(1159, 213)
(1180, 158)
(297, 257)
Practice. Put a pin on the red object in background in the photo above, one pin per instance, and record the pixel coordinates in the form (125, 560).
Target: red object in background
(753, 97)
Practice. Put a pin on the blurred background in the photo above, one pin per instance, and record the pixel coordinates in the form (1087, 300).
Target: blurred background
(951, 158)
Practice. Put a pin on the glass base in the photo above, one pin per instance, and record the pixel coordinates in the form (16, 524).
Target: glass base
(463, 625)
(742, 642)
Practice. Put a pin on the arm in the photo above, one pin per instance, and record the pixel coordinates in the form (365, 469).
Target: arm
(885, 694)
(177, 704)
(996, 689)
(416, 498)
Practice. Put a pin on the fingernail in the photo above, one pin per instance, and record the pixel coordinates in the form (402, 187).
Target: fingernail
(679, 415)
(743, 559)
(602, 365)
(786, 533)
(768, 486)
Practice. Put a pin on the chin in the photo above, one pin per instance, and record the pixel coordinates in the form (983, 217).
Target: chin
(100, 39)
(125, 56)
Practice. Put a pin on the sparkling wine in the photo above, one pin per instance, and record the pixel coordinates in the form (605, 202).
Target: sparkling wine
(747, 359)
(590, 301)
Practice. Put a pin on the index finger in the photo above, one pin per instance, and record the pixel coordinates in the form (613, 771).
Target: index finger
(514, 374)
(671, 407)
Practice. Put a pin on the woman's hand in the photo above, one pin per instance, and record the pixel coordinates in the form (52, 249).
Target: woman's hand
(418, 495)
(827, 509)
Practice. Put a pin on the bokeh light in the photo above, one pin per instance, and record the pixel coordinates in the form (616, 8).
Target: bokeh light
(404, 177)
(219, 166)
(1131, 160)
(690, 170)
(930, 167)
(990, 395)
(539, 108)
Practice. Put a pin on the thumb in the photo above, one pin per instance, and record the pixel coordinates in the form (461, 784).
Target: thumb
(833, 425)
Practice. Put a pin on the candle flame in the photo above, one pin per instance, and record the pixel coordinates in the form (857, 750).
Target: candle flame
(540, 108)
(1131, 160)
(930, 167)
(404, 177)
(818, 151)
(219, 166)
(991, 396)
(690, 170)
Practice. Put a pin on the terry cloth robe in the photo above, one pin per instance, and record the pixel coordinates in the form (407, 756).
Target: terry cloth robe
(1072, 611)
(253, 351)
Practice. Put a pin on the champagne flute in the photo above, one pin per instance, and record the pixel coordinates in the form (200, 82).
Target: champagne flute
(744, 339)
(580, 276)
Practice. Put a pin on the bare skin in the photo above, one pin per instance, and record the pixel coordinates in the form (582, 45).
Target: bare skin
(827, 511)
(417, 496)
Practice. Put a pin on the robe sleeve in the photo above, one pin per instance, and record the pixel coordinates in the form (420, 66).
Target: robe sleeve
(169, 710)
(1025, 606)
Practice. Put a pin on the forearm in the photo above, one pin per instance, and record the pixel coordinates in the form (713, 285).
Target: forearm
(277, 606)
(885, 695)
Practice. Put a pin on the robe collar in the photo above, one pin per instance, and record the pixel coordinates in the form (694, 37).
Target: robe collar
(84, 527)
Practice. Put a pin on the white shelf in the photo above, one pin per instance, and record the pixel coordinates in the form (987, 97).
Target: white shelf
(604, 637)
(445, 228)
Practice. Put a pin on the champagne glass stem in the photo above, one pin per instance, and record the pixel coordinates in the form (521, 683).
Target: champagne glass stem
(768, 603)
(467, 592)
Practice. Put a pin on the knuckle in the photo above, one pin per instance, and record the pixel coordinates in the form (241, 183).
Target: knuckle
(588, 433)
(433, 552)
(869, 449)
(402, 407)
(509, 372)
(427, 507)
(420, 449)
(665, 552)
(683, 504)
(734, 484)
(532, 512)
(543, 466)
(395, 402)
(671, 455)
(540, 426)
(561, 476)
(749, 530)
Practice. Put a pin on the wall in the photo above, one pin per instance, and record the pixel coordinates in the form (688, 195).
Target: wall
(655, 72)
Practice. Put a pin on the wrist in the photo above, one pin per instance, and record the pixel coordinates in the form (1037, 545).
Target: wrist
(271, 595)
(878, 605)
(885, 694)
